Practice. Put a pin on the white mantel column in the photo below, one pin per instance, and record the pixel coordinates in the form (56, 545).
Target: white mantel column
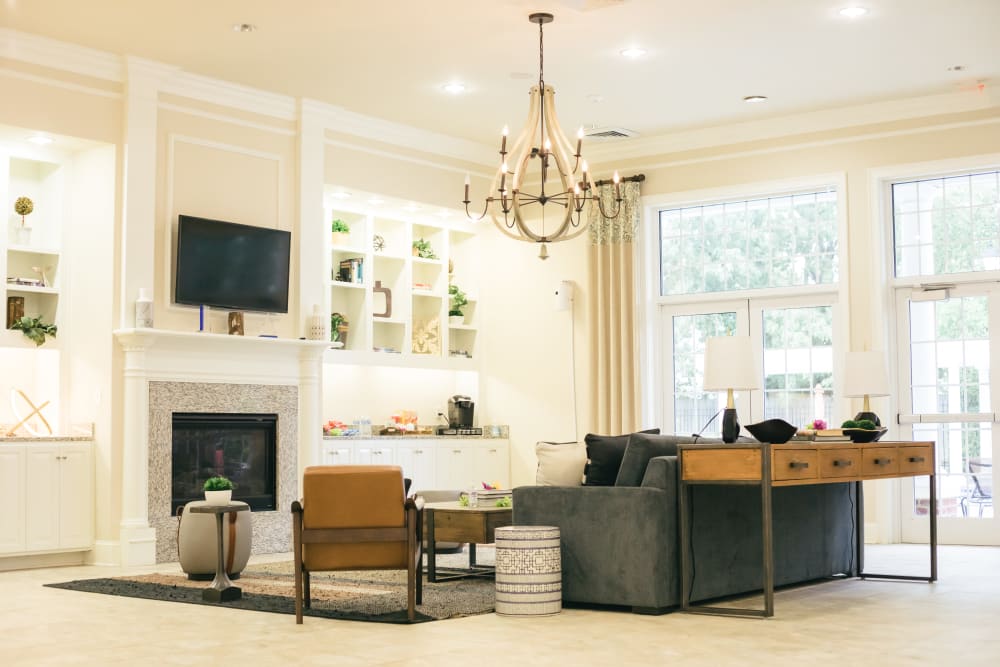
(310, 407)
(138, 539)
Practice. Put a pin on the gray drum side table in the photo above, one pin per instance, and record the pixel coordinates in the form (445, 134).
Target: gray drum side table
(221, 588)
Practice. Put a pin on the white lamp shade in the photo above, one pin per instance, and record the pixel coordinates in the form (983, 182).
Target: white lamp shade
(865, 373)
(730, 364)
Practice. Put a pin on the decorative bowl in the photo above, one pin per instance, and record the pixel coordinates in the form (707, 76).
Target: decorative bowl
(774, 431)
(865, 434)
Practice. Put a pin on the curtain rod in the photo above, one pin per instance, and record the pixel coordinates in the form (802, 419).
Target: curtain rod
(638, 178)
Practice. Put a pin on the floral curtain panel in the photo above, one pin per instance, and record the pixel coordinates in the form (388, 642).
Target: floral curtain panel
(614, 399)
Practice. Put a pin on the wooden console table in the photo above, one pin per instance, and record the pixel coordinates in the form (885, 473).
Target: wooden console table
(790, 464)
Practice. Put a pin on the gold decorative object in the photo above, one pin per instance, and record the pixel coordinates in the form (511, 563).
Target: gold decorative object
(236, 323)
(427, 336)
(35, 410)
(23, 206)
(15, 309)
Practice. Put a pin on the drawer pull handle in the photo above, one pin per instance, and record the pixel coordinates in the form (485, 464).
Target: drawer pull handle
(916, 459)
(456, 451)
(842, 463)
(798, 465)
(882, 462)
(415, 451)
(493, 451)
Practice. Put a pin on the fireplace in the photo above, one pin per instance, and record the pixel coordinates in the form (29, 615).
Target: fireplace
(241, 447)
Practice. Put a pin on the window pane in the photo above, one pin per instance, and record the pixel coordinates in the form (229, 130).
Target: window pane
(798, 364)
(947, 225)
(693, 406)
(783, 241)
(964, 470)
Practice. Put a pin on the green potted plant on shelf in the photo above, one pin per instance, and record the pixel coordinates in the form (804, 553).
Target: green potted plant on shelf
(338, 329)
(218, 490)
(456, 314)
(423, 249)
(339, 232)
(34, 329)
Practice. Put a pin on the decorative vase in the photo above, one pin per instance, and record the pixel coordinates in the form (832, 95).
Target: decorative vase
(339, 238)
(22, 235)
(456, 320)
(219, 497)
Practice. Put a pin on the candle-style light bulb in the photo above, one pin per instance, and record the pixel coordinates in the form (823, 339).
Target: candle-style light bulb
(616, 178)
(579, 140)
(548, 145)
(467, 181)
(503, 139)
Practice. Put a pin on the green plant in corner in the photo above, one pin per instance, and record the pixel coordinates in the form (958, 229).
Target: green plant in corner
(423, 249)
(219, 483)
(458, 301)
(339, 225)
(336, 319)
(34, 329)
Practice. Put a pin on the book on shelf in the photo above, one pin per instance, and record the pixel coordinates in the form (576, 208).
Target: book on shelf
(352, 270)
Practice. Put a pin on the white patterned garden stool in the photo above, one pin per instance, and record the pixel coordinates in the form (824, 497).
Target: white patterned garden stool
(528, 571)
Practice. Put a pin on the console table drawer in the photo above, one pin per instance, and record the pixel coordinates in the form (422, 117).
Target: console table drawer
(795, 464)
(880, 461)
(916, 460)
(839, 463)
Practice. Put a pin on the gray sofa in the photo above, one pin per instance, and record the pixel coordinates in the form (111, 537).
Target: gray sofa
(620, 543)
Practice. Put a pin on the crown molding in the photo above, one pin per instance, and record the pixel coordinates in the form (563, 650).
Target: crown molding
(339, 119)
(59, 55)
(228, 94)
(796, 124)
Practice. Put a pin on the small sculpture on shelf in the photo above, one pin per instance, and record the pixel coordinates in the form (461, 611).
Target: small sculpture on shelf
(23, 206)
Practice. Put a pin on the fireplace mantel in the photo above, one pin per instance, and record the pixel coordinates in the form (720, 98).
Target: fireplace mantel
(176, 356)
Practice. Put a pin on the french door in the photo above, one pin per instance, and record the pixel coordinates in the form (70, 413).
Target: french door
(947, 340)
(793, 338)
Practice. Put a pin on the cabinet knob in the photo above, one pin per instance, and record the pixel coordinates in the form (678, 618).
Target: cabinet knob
(798, 465)
(916, 459)
(882, 462)
(842, 463)
(418, 451)
(456, 451)
(377, 452)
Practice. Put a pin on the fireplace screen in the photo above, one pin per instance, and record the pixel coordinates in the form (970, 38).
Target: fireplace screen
(241, 447)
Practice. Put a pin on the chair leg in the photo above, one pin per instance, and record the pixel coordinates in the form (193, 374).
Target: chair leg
(308, 594)
(297, 547)
(420, 573)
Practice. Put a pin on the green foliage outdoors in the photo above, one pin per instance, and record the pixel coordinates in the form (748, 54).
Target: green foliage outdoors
(218, 483)
(34, 329)
(339, 225)
(459, 300)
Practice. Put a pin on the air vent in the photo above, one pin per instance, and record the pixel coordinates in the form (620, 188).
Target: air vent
(609, 133)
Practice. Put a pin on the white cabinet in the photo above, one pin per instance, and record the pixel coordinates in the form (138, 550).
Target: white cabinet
(48, 494)
(432, 463)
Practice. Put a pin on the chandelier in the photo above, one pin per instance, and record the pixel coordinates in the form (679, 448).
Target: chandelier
(542, 144)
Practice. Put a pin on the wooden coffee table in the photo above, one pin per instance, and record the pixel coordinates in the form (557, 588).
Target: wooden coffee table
(450, 522)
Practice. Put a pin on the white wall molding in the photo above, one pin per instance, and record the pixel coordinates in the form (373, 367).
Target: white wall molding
(223, 118)
(233, 95)
(55, 54)
(57, 83)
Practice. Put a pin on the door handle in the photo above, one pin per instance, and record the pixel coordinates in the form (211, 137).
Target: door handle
(798, 465)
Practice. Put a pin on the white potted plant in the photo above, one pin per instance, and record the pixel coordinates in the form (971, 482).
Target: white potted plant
(456, 315)
(340, 232)
(218, 490)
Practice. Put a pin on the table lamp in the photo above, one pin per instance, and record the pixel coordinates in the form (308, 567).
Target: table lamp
(730, 365)
(865, 376)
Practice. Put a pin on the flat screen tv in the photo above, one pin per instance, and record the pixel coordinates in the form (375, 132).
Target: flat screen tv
(233, 266)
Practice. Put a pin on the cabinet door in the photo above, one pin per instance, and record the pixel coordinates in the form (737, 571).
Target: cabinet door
(374, 453)
(417, 461)
(11, 498)
(41, 497)
(76, 496)
(492, 462)
(456, 466)
(334, 455)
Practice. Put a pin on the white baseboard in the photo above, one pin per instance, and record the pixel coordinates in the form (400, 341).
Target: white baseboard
(42, 560)
(105, 552)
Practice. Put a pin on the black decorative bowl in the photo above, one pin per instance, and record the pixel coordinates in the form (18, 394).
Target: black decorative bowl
(774, 431)
(865, 434)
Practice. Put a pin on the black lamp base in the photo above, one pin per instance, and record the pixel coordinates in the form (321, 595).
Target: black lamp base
(868, 415)
(730, 426)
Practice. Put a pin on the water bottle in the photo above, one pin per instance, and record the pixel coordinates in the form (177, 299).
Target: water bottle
(473, 497)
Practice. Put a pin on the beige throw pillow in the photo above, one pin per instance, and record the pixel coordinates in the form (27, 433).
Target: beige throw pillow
(560, 463)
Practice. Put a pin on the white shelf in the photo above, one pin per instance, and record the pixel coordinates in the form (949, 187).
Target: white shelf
(14, 338)
(31, 250)
(427, 293)
(372, 358)
(28, 289)
(388, 320)
(421, 260)
(340, 283)
(463, 327)
(395, 258)
(350, 249)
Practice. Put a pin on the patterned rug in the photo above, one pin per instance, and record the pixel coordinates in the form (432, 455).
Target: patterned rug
(378, 596)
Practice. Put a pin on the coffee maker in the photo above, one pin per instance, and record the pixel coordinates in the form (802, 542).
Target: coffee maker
(460, 411)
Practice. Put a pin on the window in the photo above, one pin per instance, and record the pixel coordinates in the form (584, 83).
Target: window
(947, 225)
(781, 241)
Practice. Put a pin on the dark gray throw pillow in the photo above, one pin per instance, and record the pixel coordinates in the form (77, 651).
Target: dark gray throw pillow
(605, 454)
(642, 447)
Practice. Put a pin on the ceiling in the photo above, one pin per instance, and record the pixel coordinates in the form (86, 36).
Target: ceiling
(390, 58)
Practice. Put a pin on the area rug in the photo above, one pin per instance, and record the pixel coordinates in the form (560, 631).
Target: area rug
(378, 596)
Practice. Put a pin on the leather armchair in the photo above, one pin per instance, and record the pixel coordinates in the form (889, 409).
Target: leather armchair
(356, 518)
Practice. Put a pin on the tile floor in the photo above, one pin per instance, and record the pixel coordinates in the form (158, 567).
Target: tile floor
(953, 622)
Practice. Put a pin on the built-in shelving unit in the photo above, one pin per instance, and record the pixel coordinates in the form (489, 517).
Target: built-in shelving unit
(409, 325)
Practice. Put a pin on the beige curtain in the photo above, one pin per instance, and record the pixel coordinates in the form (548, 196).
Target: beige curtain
(614, 349)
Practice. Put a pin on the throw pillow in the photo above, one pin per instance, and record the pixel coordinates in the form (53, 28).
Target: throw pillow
(605, 453)
(560, 463)
(642, 447)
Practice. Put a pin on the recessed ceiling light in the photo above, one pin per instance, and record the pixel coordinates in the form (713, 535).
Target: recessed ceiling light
(455, 88)
(244, 27)
(755, 99)
(633, 52)
(41, 140)
(853, 12)
(595, 99)
(340, 194)
(957, 68)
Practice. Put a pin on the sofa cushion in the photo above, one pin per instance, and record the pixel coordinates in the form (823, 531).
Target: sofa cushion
(605, 454)
(642, 447)
(560, 463)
